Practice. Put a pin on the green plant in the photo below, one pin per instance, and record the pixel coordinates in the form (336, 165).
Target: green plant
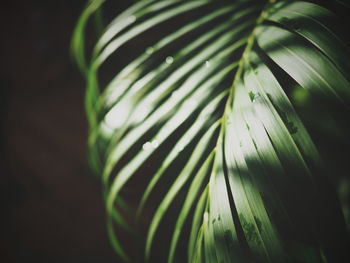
(207, 114)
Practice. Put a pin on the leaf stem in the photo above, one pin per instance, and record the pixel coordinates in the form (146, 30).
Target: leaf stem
(249, 45)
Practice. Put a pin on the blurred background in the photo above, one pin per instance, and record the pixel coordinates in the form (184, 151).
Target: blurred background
(51, 206)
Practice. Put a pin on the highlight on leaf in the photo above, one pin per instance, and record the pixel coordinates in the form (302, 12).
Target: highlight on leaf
(202, 138)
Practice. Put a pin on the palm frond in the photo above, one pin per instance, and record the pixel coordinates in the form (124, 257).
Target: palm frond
(205, 116)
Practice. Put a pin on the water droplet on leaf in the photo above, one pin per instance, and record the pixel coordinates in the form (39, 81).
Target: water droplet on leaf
(253, 96)
(269, 96)
(258, 223)
(169, 60)
(291, 127)
(154, 144)
(147, 146)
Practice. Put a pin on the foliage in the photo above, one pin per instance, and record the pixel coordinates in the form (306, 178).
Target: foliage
(205, 121)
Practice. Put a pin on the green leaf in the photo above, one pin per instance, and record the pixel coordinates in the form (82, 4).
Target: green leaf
(207, 113)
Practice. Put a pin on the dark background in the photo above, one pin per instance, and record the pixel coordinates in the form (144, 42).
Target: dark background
(51, 206)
